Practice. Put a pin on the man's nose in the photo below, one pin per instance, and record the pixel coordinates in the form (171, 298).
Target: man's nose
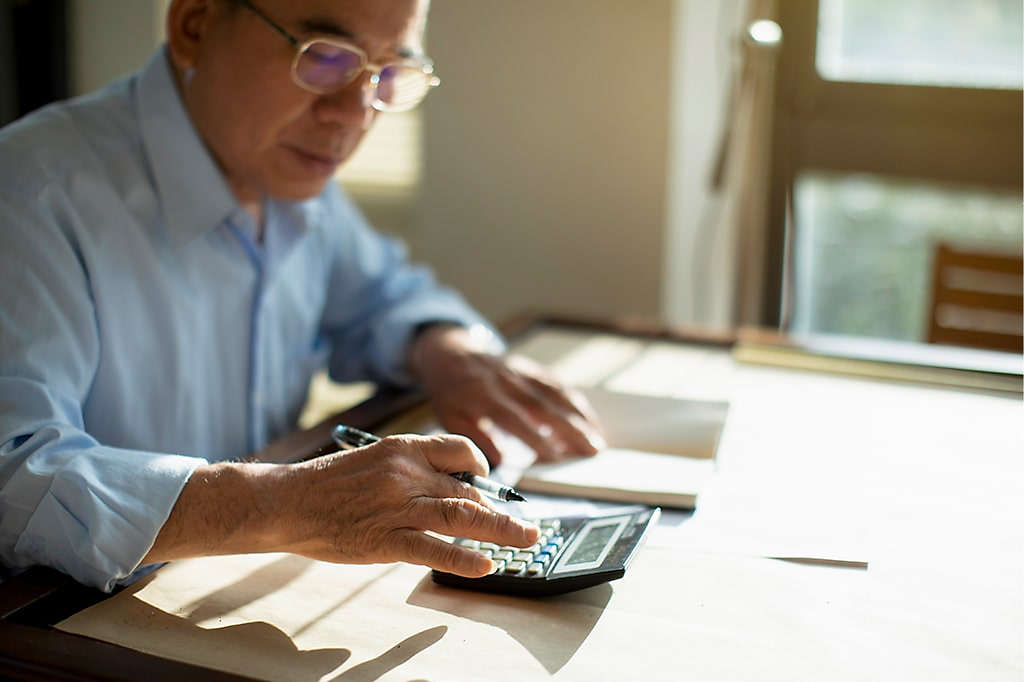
(351, 104)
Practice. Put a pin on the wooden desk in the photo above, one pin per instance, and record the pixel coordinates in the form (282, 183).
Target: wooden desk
(937, 478)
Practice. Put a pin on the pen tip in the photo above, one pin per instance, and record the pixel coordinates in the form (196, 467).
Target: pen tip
(513, 496)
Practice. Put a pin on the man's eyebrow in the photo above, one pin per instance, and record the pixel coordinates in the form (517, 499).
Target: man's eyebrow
(317, 26)
(325, 26)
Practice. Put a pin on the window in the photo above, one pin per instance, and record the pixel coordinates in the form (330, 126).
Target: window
(863, 251)
(921, 42)
(895, 125)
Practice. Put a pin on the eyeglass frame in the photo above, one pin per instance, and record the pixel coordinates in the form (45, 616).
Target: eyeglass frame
(423, 64)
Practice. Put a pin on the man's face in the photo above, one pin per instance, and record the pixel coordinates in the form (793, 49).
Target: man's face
(269, 135)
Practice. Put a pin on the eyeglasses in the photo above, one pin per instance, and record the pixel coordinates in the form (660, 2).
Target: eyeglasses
(325, 66)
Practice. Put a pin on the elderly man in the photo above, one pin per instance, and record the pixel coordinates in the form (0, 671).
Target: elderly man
(176, 262)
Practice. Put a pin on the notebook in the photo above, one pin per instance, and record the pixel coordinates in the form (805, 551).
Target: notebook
(660, 452)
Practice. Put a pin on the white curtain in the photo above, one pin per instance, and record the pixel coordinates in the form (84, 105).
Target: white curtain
(720, 165)
(745, 175)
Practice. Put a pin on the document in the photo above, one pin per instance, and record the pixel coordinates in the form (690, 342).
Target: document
(661, 452)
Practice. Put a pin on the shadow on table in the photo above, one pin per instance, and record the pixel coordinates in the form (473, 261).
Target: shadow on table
(263, 581)
(256, 648)
(375, 668)
(267, 648)
(552, 629)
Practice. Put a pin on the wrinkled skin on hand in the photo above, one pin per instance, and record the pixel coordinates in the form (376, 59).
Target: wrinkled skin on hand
(374, 504)
(470, 389)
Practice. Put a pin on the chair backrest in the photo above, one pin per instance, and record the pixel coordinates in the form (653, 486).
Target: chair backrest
(976, 299)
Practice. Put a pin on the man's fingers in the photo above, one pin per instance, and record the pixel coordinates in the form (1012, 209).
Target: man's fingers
(579, 437)
(449, 487)
(471, 429)
(462, 517)
(419, 548)
(573, 402)
(452, 454)
(566, 398)
(447, 454)
(567, 412)
(517, 421)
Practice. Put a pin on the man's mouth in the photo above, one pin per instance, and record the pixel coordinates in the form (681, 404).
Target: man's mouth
(315, 160)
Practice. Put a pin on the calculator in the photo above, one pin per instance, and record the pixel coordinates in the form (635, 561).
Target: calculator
(573, 552)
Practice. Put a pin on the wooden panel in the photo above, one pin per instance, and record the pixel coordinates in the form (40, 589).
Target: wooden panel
(935, 151)
(965, 331)
(973, 338)
(29, 587)
(980, 299)
(980, 260)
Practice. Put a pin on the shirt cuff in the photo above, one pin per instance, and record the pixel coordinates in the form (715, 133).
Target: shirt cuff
(101, 514)
(399, 345)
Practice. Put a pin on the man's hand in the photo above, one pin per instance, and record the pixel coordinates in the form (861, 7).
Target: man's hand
(471, 388)
(370, 505)
(382, 497)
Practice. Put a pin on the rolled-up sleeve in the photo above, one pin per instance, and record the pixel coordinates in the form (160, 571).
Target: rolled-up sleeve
(66, 500)
(377, 299)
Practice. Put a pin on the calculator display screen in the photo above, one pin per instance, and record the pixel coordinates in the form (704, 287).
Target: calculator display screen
(590, 548)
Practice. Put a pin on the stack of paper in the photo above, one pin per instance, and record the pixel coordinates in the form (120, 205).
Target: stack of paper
(661, 452)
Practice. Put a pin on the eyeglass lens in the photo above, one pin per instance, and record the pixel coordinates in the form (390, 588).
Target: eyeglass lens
(402, 87)
(326, 67)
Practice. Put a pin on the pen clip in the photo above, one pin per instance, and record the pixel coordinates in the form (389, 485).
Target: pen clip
(348, 437)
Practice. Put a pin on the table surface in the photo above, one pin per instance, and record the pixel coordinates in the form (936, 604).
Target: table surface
(933, 476)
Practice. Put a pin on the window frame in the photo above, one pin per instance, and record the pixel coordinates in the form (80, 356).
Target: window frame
(974, 137)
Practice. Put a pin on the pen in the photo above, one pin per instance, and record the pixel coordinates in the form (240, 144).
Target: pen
(347, 437)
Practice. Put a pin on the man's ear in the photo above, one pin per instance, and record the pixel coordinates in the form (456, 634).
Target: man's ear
(188, 21)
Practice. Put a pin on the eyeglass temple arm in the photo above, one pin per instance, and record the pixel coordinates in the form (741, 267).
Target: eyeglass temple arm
(270, 22)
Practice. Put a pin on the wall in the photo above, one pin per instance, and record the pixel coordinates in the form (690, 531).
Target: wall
(545, 156)
(699, 259)
(111, 38)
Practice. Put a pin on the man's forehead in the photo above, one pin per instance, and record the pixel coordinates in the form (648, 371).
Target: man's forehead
(393, 24)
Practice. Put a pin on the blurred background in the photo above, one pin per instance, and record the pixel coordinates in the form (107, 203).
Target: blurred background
(711, 163)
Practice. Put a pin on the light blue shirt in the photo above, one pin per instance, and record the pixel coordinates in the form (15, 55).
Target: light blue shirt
(144, 332)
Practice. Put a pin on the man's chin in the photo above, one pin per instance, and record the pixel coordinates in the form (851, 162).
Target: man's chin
(299, 190)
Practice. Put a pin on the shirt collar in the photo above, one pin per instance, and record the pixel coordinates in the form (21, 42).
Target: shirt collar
(193, 192)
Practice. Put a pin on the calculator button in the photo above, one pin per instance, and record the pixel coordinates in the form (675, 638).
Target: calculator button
(542, 558)
(534, 569)
(557, 540)
(502, 556)
(523, 556)
(515, 566)
(486, 552)
(489, 545)
(554, 524)
(551, 549)
(466, 542)
(509, 548)
(498, 567)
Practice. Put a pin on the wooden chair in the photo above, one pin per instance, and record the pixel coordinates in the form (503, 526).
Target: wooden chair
(976, 299)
